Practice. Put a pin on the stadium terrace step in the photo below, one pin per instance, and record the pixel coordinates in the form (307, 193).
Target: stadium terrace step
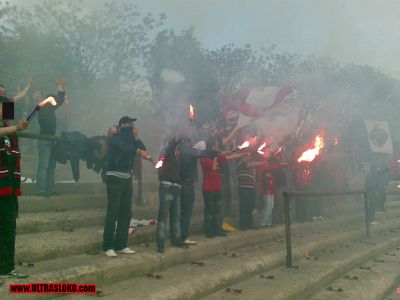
(226, 261)
(76, 266)
(30, 204)
(78, 217)
(57, 220)
(94, 187)
(318, 272)
(377, 283)
(77, 240)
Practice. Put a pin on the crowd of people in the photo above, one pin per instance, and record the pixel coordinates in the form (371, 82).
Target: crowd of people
(255, 180)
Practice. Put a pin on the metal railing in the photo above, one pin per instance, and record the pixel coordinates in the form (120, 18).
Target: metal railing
(288, 194)
(37, 136)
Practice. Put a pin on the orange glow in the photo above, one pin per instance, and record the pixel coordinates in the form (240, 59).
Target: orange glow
(191, 112)
(310, 154)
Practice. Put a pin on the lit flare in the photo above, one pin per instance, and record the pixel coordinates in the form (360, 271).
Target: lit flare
(48, 100)
(191, 112)
(310, 154)
(160, 163)
(246, 144)
(260, 149)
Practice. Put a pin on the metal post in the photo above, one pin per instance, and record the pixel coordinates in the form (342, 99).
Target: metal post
(289, 259)
(366, 206)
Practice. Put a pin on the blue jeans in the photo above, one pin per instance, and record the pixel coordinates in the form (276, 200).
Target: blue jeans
(170, 203)
(266, 212)
(46, 166)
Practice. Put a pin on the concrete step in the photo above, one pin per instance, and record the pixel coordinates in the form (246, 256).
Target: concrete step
(68, 188)
(78, 217)
(98, 269)
(63, 202)
(30, 204)
(34, 247)
(310, 276)
(374, 284)
(57, 220)
(57, 215)
(88, 187)
(185, 281)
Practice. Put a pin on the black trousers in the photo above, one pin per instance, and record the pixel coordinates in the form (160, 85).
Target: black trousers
(187, 203)
(247, 198)
(212, 212)
(8, 222)
(119, 196)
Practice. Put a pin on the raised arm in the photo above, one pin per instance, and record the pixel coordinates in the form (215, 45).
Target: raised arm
(25, 91)
(193, 152)
(60, 91)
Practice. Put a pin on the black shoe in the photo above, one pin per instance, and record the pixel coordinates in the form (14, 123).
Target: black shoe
(14, 274)
(220, 233)
(160, 250)
(209, 235)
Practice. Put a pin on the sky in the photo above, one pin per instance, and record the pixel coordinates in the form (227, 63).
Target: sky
(349, 31)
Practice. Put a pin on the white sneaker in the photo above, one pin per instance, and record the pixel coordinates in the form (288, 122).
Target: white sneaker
(374, 223)
(110, 253)
(126, 251)
(189, 242)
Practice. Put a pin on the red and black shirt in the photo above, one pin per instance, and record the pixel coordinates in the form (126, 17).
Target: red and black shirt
(10, 170)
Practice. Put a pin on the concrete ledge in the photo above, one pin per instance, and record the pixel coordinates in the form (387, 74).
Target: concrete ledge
(112, 270)
(30, 204)
(88, 187)
(35, 247)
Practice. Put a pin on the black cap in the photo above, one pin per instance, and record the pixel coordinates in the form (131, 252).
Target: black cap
(125, 120)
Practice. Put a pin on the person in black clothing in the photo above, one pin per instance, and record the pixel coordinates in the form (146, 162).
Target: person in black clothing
(170, 196)
(46, 162)
(120, 156)
(188, 174)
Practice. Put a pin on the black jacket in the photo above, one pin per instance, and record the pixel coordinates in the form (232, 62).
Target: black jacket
(121, 153)
(170, 168)
(72, 146)
(47, 116)
(188, 160)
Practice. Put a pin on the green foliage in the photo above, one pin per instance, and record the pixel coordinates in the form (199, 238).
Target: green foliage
(100, 50)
